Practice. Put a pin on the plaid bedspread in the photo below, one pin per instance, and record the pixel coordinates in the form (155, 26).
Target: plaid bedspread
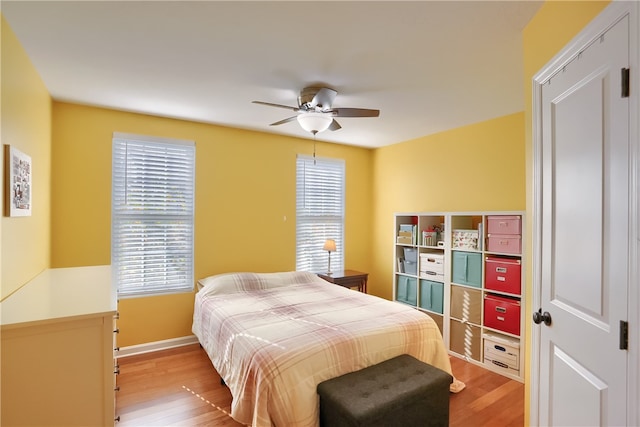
(274, 345)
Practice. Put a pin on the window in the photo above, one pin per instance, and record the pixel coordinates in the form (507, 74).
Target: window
(152, 215)
(319, 212)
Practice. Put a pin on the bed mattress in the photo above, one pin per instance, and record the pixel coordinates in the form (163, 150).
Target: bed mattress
(274, 338)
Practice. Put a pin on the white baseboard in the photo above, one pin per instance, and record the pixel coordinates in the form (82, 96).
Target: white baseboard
(156, 346)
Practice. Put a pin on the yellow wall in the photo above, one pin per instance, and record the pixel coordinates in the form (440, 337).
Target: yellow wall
(26, 124)
(245, 188)
(555, 24)
(473, 168)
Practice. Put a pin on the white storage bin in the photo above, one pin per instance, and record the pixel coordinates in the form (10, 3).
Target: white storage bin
(432, 266)
(432, 262)
(502, 353)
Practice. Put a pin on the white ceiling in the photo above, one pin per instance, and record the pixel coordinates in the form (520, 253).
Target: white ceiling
(428, 66)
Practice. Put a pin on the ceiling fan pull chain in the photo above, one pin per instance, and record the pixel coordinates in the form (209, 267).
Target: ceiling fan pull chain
(314, 148)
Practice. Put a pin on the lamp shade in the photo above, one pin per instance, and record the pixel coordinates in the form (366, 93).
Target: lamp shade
(314, 122)
(329, 245)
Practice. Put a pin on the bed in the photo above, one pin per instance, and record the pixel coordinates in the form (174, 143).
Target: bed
(273, 337)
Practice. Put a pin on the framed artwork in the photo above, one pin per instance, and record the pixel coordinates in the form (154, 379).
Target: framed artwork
(17, 177)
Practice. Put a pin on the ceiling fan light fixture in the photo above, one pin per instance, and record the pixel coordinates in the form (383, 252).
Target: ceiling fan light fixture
(314, 122)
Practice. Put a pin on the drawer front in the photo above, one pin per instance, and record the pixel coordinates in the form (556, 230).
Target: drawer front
(465, 339)
(504, 224)
(466, 304)
(431, 295)
(467, 268)
(502, 274)
(502, 314)
(504, 243)
(407, 290)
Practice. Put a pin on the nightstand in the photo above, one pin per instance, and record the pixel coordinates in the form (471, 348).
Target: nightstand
(347, 278)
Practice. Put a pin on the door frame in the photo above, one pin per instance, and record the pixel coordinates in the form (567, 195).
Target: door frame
(592, 32)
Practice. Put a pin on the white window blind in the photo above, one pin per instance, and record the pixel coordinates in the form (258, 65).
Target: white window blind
(152, 215)
(319, 213)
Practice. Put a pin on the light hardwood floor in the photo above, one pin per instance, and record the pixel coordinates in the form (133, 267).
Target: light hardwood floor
(180, 387)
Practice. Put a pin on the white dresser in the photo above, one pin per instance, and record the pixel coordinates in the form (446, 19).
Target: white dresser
(57, 354)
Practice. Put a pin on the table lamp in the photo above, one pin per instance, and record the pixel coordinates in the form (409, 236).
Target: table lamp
(329, 246)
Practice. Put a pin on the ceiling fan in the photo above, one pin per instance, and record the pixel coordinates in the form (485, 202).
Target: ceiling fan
(315, 112)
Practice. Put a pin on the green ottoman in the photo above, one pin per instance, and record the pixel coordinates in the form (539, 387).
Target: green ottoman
(402, 391)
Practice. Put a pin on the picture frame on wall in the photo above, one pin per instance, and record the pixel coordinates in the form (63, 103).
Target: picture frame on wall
(18, 189)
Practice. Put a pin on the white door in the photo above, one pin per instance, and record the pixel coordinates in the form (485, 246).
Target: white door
(584, 237)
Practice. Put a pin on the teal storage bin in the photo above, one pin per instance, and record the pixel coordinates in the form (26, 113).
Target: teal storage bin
(431, 295)
(467, 268)
(407, 290)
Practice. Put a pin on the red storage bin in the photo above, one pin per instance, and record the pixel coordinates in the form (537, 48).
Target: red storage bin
(502, 274)
(502, 313)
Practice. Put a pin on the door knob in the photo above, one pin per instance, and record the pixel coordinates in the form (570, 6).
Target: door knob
(539, 317)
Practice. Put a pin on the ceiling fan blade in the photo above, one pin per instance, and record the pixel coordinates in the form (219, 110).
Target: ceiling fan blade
(269, 104)
(287, 120)
(324, 98)
(354, 112)
(335, 125)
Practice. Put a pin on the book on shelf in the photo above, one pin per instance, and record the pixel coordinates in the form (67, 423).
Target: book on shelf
(408, 234)
(406, 227)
